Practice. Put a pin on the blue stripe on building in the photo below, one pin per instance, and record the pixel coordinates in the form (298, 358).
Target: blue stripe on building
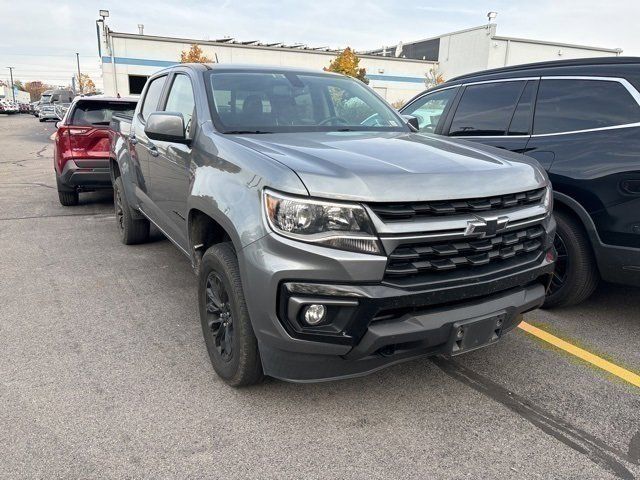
(139, 61)
(163, 63)
(396, 78)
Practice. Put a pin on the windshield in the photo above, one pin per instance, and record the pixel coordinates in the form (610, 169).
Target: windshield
(267, 102)
(96, 113)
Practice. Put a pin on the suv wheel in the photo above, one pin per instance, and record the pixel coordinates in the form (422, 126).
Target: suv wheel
(68, 196)
(576, 276)
(132, 230)
(226, 326)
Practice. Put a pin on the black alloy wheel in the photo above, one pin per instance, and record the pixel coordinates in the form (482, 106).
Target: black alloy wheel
(562, 264)
(219, 316)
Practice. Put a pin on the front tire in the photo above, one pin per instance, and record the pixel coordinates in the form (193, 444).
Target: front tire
(132, 230)
(226, 326)
(576, 275)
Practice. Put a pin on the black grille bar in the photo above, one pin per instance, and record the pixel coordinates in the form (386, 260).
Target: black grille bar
(411, 259)
(408, 211)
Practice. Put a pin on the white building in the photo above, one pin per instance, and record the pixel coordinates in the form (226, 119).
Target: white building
(479, 48)
(23, 97)
(128, 59)
(397, 72)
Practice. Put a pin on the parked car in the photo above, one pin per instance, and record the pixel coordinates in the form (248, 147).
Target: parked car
(7, 106)
(47, 111)
(48, 102)
(324, 247)
(24, 107)
(581, 120)
(82, 146)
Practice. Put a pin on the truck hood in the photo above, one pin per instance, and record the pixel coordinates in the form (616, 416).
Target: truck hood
(397, 167)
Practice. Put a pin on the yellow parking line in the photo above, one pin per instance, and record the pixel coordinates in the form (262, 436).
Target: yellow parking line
(624, 374)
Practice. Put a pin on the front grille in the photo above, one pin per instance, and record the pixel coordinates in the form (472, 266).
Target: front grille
(409, 211)
(415, 258)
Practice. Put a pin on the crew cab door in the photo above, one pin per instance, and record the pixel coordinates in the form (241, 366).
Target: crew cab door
(497, 113)
(170, 163)
(142, 147)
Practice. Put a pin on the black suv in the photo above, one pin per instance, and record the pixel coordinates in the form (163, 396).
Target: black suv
(581, 120)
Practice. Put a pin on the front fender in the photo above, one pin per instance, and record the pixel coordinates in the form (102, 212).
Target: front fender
(226, 183)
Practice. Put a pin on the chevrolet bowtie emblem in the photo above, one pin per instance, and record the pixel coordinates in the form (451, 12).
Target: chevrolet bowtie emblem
(486, 227)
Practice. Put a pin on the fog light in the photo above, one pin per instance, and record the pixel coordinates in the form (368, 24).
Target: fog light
(314, 314)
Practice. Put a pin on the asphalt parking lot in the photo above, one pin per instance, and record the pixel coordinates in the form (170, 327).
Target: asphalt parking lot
(105, 375)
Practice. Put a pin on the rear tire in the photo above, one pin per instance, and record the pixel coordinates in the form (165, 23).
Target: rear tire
(226, 326)
(132, 230)
(67, 195)
(576, 275)
(68, 198)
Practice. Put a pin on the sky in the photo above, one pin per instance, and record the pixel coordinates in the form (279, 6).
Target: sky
(40, 38)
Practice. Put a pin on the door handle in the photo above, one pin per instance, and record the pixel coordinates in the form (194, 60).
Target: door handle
(153, 150)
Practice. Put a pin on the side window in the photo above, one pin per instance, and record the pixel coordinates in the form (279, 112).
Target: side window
(569, 105)
(428, 109)
(486, 109)
(521, 121)
(152, 97)
(181, 100)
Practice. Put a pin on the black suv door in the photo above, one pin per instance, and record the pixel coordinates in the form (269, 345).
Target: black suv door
(497, 113)
(591, 128)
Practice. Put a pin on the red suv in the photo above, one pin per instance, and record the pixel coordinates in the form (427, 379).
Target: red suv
(82, 145)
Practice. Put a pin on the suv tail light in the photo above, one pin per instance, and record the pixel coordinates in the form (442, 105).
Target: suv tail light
(89, 142)
(80, 143)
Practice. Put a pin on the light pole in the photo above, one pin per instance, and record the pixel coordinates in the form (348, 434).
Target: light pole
(13, 92)
(79, 79)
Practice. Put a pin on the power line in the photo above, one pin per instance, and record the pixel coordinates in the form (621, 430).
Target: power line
(42, 55)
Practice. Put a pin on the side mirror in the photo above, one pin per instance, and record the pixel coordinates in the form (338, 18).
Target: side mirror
(412, 122)
(58, 124)
(166, 127)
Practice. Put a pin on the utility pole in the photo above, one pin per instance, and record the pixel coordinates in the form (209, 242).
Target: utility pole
(13, 92)
(79, 80)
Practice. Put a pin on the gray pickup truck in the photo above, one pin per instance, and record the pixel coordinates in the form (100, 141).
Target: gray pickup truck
(329, 239)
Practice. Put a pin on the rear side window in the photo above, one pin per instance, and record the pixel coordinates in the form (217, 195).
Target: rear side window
(152, 97)
(94, 113)
(181, 99)
(428, 110)
(486, 109)
(521, 121)
(570, 105)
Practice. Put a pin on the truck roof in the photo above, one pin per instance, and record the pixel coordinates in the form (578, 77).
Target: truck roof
(249, 67)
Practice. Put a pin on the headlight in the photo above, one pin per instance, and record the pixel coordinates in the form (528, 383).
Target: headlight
(344, 226)
(548, 198)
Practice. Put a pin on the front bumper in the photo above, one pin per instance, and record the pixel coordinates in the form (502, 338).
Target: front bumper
(86, 174)
(375, 324)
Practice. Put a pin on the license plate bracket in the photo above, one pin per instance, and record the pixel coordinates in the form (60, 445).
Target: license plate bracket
(468, 335)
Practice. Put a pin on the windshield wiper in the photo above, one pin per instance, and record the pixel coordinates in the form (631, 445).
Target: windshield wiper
(247, 131)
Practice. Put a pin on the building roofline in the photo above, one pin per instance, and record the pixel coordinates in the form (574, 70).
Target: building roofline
(557, 44)
(505, 38)
(481, 27)
(331, 53)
